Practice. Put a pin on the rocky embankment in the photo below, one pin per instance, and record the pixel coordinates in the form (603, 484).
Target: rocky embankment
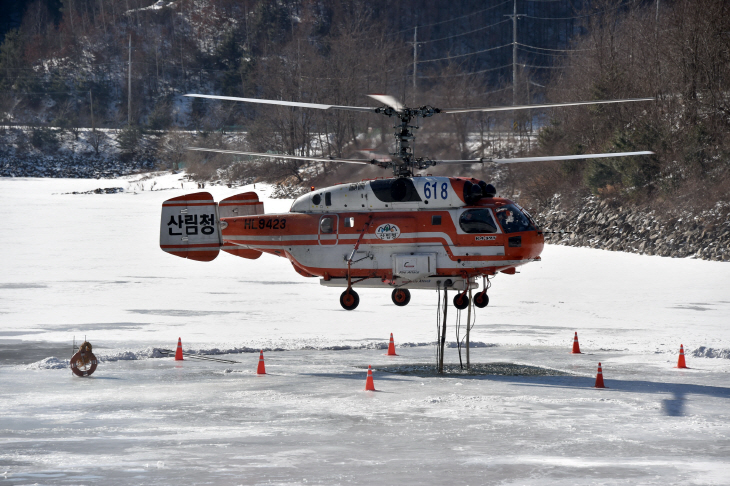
(71, 166)
(597, 224)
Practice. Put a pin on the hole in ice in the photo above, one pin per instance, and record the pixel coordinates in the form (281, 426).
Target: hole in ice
(476, 369)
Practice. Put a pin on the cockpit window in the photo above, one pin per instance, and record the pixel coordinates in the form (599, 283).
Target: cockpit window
(513, 220)
(477, 221)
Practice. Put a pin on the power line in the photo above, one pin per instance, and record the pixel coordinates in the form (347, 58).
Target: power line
(465, 33)
(467, 54)
(466, 74)
(541, 67)
(409, 29)
(467, 15)
(580, 16)
(555, 50)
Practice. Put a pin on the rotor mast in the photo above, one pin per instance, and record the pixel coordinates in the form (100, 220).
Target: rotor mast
(406, 162)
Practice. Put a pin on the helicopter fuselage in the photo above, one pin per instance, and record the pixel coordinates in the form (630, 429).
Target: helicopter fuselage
(422, 230)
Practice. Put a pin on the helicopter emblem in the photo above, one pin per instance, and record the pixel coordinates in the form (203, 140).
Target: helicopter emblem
(387, 232)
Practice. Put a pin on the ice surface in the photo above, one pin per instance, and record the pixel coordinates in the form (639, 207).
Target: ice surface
(89, 266)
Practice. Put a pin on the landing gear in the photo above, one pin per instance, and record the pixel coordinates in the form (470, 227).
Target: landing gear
(481, 299)
(401, 297)
(349, 299)
(461, 301)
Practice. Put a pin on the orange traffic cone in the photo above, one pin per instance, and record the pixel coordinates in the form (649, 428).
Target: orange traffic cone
(261, 370)
(576, 347)
(391, 346)
(599, 378)
(369, 385)
(681, 363)
(178, 351)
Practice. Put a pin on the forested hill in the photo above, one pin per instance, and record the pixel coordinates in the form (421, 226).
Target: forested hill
(61, 50)
(67, 66)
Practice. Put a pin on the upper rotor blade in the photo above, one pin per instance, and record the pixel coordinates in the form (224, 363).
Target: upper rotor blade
(543, 159)
(284, 156)
(380, 157)
(387, 100)
(282, 103)
(546, 105)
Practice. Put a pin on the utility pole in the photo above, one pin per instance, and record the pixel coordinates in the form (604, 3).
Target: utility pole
(514, 17)
(129, 85)
(94, 136)
(415, 61)
(91, 107)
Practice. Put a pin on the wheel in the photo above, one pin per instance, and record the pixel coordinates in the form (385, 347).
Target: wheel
(349, 301)
(401, 297)
(461, 301)
(481, 300)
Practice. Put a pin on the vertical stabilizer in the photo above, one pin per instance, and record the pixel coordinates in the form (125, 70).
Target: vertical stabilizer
(246, 204)
(189, 227)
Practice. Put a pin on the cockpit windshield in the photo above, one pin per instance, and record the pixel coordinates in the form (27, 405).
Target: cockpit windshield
(513, 220)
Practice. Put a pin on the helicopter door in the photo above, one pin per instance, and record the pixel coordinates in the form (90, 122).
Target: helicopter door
(328, 229)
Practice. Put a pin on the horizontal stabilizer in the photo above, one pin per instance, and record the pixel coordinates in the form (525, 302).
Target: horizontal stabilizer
(189, 227)
(241, 252)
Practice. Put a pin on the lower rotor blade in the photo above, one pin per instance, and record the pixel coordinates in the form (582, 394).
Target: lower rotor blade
(284, 156)
(283, 103)
(546, 105)
(544, 159)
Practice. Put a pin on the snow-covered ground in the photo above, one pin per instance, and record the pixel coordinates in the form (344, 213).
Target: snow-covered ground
(90, 265)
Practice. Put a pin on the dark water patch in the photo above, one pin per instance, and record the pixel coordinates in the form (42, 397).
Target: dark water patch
(19, 333)
(27, 352)
(101, 190)
(179, 313)
(147, 276)
(692, 307)
(22, 286)
(476, 369)
(99, 326)
(273, 282)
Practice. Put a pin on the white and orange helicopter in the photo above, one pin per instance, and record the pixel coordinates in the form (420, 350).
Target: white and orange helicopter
(406, 232)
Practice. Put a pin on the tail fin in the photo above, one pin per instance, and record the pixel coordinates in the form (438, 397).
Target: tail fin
(246, 204)
(189, 227)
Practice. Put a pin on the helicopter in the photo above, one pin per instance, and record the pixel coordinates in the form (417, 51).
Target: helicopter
(406, 232)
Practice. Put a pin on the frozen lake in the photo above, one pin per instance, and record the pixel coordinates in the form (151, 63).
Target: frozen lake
(90, 265)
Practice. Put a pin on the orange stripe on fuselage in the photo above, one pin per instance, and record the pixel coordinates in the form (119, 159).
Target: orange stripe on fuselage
(308, 225)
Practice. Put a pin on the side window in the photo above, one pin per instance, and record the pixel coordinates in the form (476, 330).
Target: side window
(513, 220)
(349, 222)
(328, 199)
(327, 225)
(435, 220)
(477, 221)
(316, 199)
